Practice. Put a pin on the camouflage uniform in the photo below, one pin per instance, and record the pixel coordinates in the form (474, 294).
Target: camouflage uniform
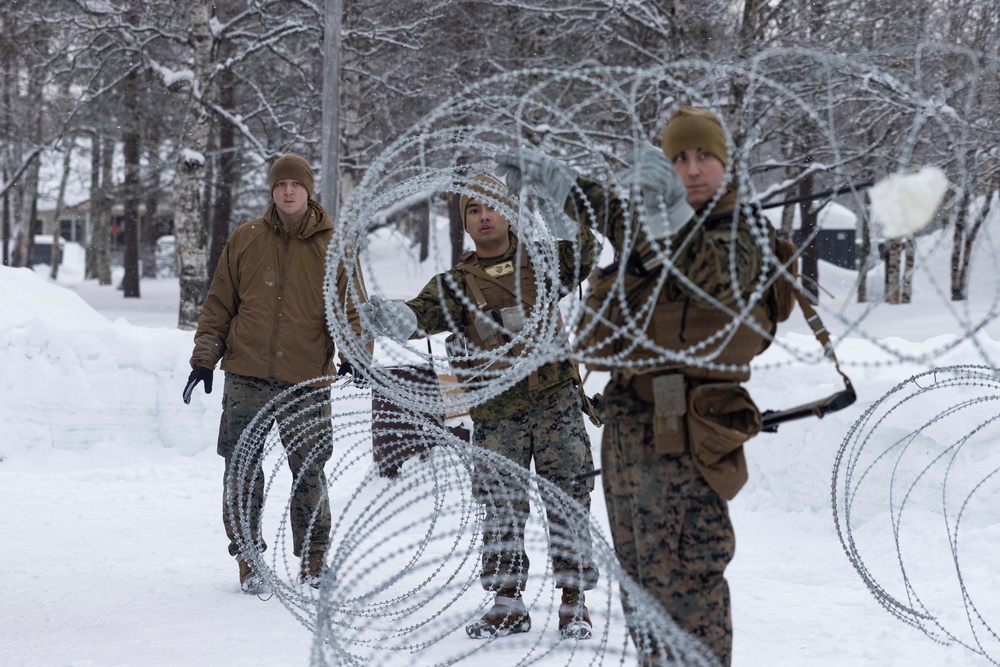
(670, 528)
(554, 436)
(540, 418)
(305, 415)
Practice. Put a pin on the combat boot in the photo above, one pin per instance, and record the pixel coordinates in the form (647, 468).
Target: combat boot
(507, 616)
(311, 568)
(250, 582)
(574, 619)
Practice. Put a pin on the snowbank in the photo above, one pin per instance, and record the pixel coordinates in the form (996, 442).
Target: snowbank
(74, 379)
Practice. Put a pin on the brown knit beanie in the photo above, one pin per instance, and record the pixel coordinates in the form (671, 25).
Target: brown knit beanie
(489, 185)
(694, 127)
(291, 167)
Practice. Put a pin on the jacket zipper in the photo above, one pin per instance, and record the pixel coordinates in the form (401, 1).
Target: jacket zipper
(279, 302)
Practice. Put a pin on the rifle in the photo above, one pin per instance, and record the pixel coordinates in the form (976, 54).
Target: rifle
(770, 419)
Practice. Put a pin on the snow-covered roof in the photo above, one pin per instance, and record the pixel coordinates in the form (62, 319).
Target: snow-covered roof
(832, 216)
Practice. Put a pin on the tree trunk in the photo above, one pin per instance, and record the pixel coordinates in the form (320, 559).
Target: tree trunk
(32, 215)
(90, 257)
(787, 221)
(810, 253)
(906, 289)
(893, 265)
(60, 204)
(864, 259)
(422, 221)
(970, 239)
(225, 177)
(102, 221)
(456, 227)
(188, 226)
(31, 178)
(131, 188)
(149, 231)
(6, 85)
(130, 282)
(27, 205)
(350, 121)
(6, 221)
(207, 190)
(958, 246)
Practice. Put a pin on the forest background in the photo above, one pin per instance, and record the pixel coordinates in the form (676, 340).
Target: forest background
(168, 113)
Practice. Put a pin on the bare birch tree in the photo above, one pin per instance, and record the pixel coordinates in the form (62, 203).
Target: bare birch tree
(188, 223)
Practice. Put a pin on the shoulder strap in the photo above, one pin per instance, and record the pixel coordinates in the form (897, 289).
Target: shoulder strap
(819, 330)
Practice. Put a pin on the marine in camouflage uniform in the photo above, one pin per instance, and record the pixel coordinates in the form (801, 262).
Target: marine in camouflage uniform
(667, 508)
(539, 419)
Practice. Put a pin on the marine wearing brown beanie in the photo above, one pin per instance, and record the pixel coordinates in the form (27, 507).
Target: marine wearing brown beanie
(291, 167)
(489, 185)
(694, 127)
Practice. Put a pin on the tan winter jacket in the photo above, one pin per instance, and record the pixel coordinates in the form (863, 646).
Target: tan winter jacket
(264, 315)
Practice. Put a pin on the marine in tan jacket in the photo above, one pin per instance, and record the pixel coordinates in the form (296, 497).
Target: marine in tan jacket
(265, 320)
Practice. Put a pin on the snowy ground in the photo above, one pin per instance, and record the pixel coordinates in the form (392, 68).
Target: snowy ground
(110, 490)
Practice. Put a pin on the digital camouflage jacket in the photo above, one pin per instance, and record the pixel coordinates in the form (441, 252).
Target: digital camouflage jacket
(442, 306)
(704, 251)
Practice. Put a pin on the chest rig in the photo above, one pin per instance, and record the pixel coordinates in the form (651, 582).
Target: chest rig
(503, 294)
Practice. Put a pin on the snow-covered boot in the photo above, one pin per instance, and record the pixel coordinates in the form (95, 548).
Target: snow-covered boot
(506, 617)
(311, 569)
(250, 581)
(574, 619)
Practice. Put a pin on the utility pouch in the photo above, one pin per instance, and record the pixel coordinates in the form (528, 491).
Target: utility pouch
(720, 418)
(669, 406)
(512, 318)
(486, 323)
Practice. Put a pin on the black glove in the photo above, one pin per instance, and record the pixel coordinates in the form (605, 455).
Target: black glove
(198, 374)
(357, 379)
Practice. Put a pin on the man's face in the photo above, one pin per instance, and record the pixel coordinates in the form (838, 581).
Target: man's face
(487, 226)
(702, 173)
(291, 197)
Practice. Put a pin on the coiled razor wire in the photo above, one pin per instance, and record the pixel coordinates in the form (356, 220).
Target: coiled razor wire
(915, 492)
(594, 119)
(402, 559)
(402, 564)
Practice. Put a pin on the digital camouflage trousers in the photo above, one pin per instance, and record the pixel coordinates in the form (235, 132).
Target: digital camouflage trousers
(552, 435)
(671, 531)
(303, 421)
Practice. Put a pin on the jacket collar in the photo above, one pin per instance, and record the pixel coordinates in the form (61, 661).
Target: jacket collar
(726, 202)
(316, 220)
